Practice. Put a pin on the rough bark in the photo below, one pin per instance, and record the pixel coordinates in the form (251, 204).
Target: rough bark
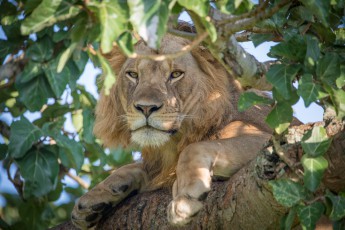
(244, 201)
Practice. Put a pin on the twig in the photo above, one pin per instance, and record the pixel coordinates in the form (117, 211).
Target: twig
(184, 50)
(284, 156)
(77, 179)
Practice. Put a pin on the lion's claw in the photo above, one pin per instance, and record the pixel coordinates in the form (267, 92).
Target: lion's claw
(182, 209)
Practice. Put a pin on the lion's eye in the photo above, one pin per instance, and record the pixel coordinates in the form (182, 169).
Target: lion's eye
(176, 74)
(132, 74)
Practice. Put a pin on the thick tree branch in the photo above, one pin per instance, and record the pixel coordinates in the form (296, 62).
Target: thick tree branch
(244, 201)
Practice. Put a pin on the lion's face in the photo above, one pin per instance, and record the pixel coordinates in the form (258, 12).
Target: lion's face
(154, 94)
(152, 102)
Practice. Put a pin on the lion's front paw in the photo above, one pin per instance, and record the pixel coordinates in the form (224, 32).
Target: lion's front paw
(97, 203)
(182, 209)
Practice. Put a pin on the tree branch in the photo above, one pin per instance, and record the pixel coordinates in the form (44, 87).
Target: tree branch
(244, 201)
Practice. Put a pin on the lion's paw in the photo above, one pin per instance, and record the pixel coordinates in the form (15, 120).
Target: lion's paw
(182, 209)
(97, 203)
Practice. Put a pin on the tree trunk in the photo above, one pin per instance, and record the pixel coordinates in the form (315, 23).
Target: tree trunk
(245, 201)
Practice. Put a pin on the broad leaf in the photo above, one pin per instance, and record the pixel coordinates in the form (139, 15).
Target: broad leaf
(309, 215)
(200, 7)
(338, 206)
(31, 70)
(293, 49)
(281, 76)
(313, 52)
(316, 142)
(88, 122)
(113, 16)
(34, 94)
(328, 69)
(23, 135)
(150, 18)
(287, 192)
(320, 8)
(3, 151)
(57, 81)
(110, 78)
(280, 117)
(248, 99)
(308, 90)
(338, 98)
(39, 168)
(70, 152)
(41, 50)
(313, 171)
(48, 13)
(288, 220)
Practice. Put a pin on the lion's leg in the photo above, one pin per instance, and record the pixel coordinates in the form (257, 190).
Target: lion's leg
(103, 197)
(199, 162)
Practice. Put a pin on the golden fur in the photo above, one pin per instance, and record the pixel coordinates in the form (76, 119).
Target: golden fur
(183, 114)
(215, 107)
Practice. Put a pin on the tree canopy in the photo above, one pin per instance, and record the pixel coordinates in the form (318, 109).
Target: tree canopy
(48, 43)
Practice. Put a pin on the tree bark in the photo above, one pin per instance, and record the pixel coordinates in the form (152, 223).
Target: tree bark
(245, 201)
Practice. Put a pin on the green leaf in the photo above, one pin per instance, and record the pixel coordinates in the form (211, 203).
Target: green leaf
(258, 39)
(88, 122)
(309, 215)
(34, 94)
(57, 81)
(48, 13)
(313, 171)
(39, 168)
(200, 7)
(287, 192)
(308, 90)
(293, 49)
(150, 19)
(110, 78)
(316, 142)
(313, 51)
(288, 220)
(281, 76)
(113, 16)
(210, 28)
(338, 206)
(125, 42)
(248, 99)
(3, 151)
(65, 56)
(31, 70)
(23, 135)
(77, 120)
(338, 99)
(328, 69)
(41, 50)
(70, 152)
(320, 9)
(280, 117)
(341, 80)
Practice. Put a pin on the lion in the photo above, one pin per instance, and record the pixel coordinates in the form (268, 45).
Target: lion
(183, 114)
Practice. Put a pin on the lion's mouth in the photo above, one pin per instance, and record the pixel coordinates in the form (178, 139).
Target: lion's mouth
(147, 127)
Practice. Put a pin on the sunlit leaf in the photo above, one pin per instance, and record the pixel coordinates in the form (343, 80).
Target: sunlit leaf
(280, 117)
(200, 7)
(150, 18)
(316, 142)
(314, 167)
(48, 13)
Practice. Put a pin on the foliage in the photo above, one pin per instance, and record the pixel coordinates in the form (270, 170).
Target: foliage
(52, 41)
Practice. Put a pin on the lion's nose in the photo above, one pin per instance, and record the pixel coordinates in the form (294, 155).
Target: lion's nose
(147, 110)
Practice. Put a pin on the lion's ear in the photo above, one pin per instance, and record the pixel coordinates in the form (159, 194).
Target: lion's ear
(116, 59)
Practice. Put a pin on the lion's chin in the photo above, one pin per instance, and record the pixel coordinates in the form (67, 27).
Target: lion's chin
(149, 137)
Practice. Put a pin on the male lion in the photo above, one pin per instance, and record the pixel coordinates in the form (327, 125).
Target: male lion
(183, 114)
